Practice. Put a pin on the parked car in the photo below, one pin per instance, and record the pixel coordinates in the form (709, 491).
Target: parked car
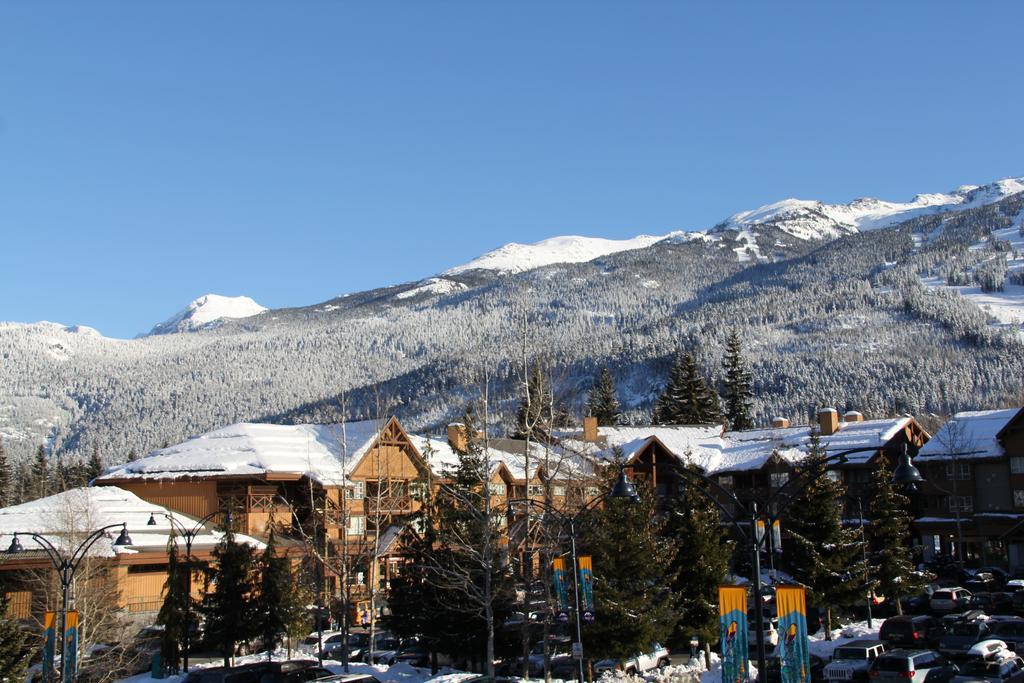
(348, 678)
(330, 639)
(920, 603)
(947, 600)
(983, 582)
(656, 658)
(774, 669)
(992, 603)
(413, 653)
(990, 661)
(359, 646)
(771, 634)
(1011, 632)
(961, 637)
(903, 666)
(850, 662)
(1018, 603)
(292, 671)
(911, 631)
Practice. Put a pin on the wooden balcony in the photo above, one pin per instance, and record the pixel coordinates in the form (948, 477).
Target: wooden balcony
(389, 505)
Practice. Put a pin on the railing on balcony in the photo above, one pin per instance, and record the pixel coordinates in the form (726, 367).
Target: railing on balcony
(389, 505)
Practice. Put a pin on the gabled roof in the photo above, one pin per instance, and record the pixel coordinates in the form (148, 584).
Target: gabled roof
(973, 434)
(65, 519)
(510, 454)
(713, 450)
(323, 453)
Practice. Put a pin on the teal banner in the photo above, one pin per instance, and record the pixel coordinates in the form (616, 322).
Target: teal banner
(732, 604)
(69, 655)
(49, 644)
(561, 590)
(794, 655)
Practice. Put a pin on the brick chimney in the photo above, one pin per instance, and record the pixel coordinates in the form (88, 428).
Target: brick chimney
(828, 421)
(780, 422)
(457, 437)
(853, 416)
(590, 429)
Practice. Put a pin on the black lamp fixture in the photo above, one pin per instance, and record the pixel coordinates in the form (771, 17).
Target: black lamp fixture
(624, 488)
(152, 520)
(16, 546)
(123, 538)
(905, 474)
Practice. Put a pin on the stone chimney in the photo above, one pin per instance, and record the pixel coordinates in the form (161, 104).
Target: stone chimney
(780, 422)
(590, 429)
(828, 421)
(853, 416)
(457, 437)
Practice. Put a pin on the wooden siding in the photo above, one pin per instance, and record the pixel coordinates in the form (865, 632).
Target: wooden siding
(193, 498)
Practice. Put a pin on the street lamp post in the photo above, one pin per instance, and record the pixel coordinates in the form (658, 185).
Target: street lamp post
(190, 535)
(66, 567)
(904, 475)
(623, 489)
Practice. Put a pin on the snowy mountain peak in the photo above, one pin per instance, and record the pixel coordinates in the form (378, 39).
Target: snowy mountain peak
(208, 309)
(516, 258)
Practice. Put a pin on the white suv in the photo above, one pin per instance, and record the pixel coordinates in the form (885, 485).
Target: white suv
(950, 599)
(656, 658)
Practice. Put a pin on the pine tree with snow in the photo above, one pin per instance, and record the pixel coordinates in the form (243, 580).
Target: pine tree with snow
(39, 477)
(7, 493)
(633, 576)
(694, 528)
(229, 608)
(603, 402)
(14, 658)
(94, 467)
(889, 539)
(823, 554)
(738, 390)
(278, 602)
(173, 615)
(688, 399)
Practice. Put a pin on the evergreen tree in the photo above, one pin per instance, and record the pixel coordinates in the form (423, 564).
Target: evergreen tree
(822, 553)
(14, 658)
(277, 602)
(133, 455)
(633, 575)
(173, 613)
(7, 493)
(94, 467)
(229, 608)
(694, 527)
(891, 552)
(40, 475)
(688, 398)
(603, 402)
(738, 391)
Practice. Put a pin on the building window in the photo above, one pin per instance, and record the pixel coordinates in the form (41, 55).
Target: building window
(1017, 464)
(535, 490)
(958, 470)
(147, 568)
(779, 479)
(961, 503)
(496, 489)
(834, 475)
(725, 481)
(418, 490)
(1018, 498)
(356, 525)
(357, 491)
(592, 491)
(559, 491)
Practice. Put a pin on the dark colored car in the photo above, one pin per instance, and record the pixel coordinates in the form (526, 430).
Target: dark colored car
(919, 604)
(911, 631)
(983, 582)
(961, 637)
(774, 666)
(292, 671)
(1005, 670)
(1018, 603)
(992, 603)
(413, 653)
(1010, 632)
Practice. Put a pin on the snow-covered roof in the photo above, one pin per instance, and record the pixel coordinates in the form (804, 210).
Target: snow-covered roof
(440, 455)
(714, 451)
(969, 434)
(248, 449)
(65, 519)
(507, 452)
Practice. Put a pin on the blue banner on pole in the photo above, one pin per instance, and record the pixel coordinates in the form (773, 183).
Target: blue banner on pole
(69, 655)
(794, 655)
(561, 590)
(732, 610)
(49, 644)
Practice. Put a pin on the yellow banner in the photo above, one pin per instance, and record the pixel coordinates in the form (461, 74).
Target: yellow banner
(732, 610)
(732, 598)
(793, 648)
(790, 599)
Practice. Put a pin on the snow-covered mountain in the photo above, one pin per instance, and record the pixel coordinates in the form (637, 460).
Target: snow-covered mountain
(516, 258)
(208, 309)
(814, 220)
(801, 218)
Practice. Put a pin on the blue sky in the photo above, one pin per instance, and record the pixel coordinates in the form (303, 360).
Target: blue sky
(153, 152)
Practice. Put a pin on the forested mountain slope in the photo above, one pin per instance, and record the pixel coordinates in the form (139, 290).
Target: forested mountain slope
(844, 322)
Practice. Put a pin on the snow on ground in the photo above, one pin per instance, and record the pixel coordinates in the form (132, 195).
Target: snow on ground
(432, 286)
